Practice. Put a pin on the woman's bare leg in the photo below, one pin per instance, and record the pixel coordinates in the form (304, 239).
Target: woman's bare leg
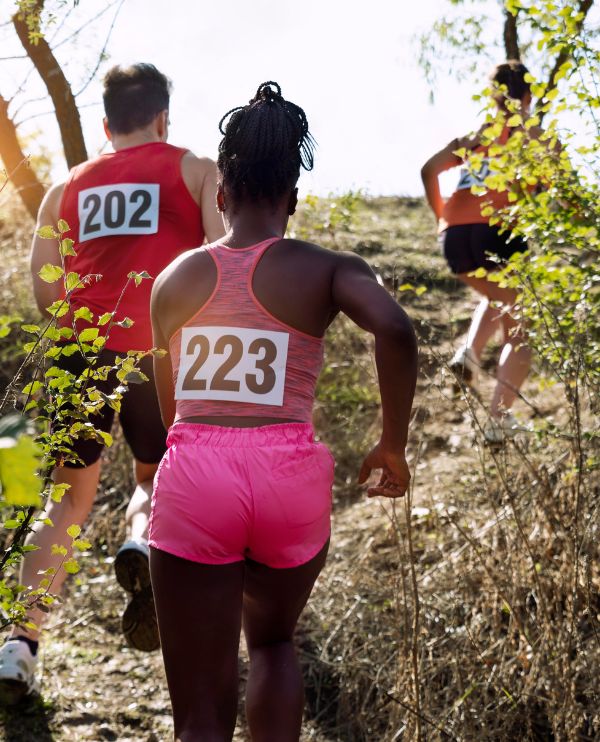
(199, 609)
(515, 357)
(273, 602)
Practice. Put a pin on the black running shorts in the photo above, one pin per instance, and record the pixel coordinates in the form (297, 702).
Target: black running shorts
(470, 246)
(139, 416)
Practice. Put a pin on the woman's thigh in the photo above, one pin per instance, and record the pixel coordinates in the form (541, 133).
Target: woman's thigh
(275, 598)
(199, 608)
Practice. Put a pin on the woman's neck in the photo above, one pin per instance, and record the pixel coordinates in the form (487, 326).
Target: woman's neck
(254, 224)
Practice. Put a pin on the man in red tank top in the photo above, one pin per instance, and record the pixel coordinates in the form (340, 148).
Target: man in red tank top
(134, 209)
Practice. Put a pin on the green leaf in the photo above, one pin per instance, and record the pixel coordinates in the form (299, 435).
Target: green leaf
(32, 387)
(74, 530)
(135, 377)
(138, 277)
(72, 281)
(33, 329)
(89, 334)
(84, 313)
(107, 438)
(18, 473)
(47, 233)
(71, 566)
(58, 549)
(126, 323)
(105, 318)
(10, 524)
(57, 491)
(50, 273)
(66, 247)
(81, 544)
(63, 226)
(479, 273)
(58, 308)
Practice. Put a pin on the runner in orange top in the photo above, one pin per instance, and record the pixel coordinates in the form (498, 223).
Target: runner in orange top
(242, 498)
(469, 242)
(133, 209)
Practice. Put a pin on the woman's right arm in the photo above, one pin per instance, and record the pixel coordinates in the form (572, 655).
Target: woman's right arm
(356, 292)
(163, 369)
(441, 161)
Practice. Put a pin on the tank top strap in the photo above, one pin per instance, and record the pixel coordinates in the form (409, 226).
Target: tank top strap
(237, 265)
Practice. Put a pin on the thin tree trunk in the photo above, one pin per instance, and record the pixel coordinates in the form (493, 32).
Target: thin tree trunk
(17, 165)
(511, 36)
(59, 90)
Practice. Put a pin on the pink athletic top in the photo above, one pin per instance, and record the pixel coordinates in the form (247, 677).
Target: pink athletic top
(234, 358)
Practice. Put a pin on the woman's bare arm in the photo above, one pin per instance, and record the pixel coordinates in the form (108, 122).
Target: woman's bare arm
(356, 293)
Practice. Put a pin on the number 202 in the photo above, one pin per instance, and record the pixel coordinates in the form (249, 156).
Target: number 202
(220, 382)
(114, 211)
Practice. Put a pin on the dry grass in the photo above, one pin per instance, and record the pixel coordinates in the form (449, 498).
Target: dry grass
(474, 619)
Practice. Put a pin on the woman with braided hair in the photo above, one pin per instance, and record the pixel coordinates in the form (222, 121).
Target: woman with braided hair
(241, 507)
(470, 243)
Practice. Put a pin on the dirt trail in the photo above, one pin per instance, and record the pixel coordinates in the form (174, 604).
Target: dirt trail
(95, 688)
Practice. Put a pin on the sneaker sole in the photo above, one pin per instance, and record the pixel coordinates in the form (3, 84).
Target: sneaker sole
(139, 624)
(132, 570)
(13, 691)
(462, 373)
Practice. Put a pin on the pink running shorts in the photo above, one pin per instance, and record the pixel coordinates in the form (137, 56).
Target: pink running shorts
(222, 495)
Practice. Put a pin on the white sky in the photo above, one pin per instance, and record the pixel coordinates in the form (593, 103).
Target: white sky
(351, 64)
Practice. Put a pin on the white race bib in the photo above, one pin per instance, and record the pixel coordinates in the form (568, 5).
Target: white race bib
(232, 364)
(470, 178)
(120, 208)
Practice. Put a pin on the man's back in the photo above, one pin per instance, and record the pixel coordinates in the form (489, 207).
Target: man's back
(129, 210)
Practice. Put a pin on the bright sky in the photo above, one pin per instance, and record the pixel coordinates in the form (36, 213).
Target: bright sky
(352, 66)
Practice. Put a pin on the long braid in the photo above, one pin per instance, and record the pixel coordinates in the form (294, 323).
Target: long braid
(264, 145)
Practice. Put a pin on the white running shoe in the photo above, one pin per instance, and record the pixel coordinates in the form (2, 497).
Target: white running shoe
(465, 365)
(17, 672)
(501, 429)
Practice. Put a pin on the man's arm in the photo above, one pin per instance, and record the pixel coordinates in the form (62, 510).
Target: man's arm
(46, 251)
(200, 176)
(356, 293)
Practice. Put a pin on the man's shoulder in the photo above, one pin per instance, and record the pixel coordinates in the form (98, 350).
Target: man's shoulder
(196, 163)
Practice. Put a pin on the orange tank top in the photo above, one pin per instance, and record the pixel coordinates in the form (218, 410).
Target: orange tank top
(234, 358)
(464, 207)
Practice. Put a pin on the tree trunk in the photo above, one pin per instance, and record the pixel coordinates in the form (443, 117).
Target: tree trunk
(17, 165)
(511, 36)
(59, 90)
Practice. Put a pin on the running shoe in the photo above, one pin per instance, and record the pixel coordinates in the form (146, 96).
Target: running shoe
(465, 365)
(17, 672)
(132, 570)
(501, 429)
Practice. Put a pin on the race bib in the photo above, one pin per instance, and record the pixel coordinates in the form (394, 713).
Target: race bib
(232, 364)
(469, 178)
(117, 209)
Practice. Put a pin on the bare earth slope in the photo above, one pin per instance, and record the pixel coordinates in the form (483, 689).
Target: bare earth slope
(357, 638)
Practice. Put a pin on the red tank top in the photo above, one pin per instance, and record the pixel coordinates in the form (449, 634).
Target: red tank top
(128, 210)
(464, 207)
(234, 358)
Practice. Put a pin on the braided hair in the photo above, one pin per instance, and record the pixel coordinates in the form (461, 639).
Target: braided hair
(511, 74)
(264, 145)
